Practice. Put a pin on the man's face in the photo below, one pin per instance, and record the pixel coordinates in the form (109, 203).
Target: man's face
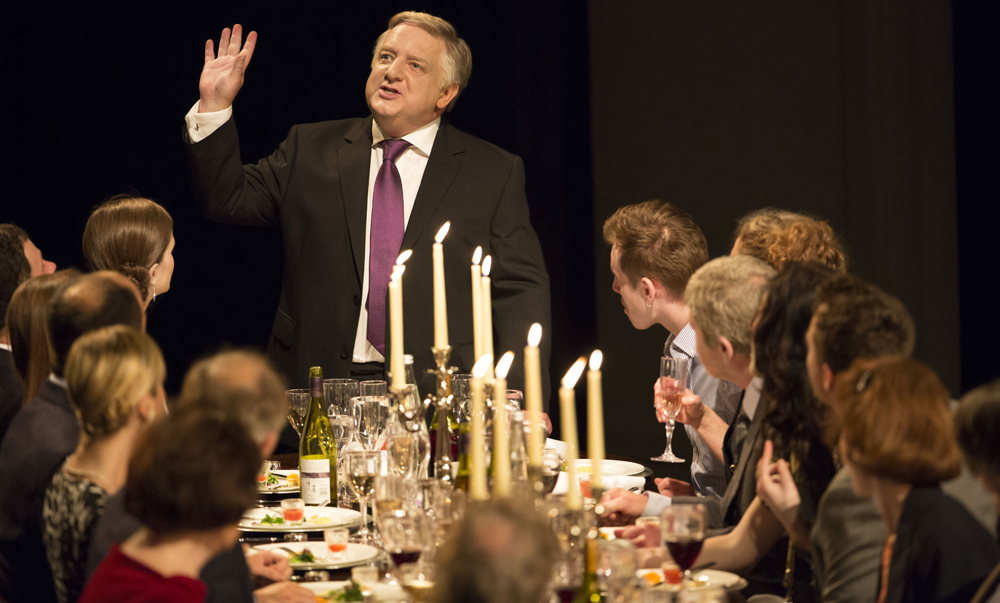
(813, 365)
(39, 265)
(404, 90)
(712, 357)
(633, 298)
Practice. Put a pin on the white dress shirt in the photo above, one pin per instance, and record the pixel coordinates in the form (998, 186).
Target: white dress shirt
(411, 165)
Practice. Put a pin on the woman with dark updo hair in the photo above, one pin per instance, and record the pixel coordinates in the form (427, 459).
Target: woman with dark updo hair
(133, 236)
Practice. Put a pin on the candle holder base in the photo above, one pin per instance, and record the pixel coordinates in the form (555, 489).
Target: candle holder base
(442, 400)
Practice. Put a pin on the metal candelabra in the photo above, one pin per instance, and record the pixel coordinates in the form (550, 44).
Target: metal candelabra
(442, 400)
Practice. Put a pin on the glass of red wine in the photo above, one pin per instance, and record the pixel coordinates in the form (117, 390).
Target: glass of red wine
(567, 577)
(683, 530)
(404, 536)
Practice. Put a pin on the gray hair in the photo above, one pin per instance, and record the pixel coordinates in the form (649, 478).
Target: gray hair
(724, 296)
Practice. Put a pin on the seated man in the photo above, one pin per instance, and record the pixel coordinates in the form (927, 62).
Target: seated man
(14, 270)
(244, 388)
(45, 431)
(655, 248)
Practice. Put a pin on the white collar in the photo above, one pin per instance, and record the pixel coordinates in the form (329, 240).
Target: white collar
(57, 380)
(422, 138)
(751, 399)
(4, 346)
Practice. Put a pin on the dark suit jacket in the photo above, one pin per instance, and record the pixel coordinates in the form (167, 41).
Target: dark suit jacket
(942, 553)
(40, 438)
(314, 188)
(226, 575)
(10, 392)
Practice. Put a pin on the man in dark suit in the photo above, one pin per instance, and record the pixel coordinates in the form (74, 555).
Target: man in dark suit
(350, 195)
(46, 431)
(14, 270)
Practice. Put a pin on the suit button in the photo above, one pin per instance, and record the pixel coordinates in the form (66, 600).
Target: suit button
(357, 300)
(345, 353)
(732, 468)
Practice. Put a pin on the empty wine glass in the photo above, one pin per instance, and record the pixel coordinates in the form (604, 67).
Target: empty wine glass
(673, 383)
(461, 392)
(362, 467)
(683, 528)
(374, 388)
(298, 406)
(343, 432)
(338, 393)
(370, 416)
(402, 448)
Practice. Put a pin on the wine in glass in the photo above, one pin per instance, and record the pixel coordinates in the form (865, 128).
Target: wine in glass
(673, 384)
(404, 536)
(362, 468)
(683, 528)
(298, 405)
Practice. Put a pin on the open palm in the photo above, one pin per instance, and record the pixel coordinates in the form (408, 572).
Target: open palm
(222, 75)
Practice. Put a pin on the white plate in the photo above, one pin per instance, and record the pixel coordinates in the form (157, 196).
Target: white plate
(282, 485)
(702, 579)
(339, 518)
(557, 445)
(354, 554)
(382, 592)
(611, 468)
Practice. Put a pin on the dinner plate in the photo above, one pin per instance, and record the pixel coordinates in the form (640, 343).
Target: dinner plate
(282, 485)
(354, 554)
(610, 467)
(381, 592)
(317, 518)
(727, 581)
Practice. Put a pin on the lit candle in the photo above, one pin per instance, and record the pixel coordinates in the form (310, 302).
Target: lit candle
(567, 404)
(440, 306)
(477, 432)
(477, 304)
(595, 418)
(396, 366)
(487, 305)
(533, 396)
(501, 440)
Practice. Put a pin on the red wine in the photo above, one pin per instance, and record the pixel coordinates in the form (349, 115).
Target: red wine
(401, 556)
(549, 482)
(684, 552)
(565, 593)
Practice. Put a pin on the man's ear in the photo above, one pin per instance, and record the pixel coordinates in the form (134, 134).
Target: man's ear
(448, 93)
(649, 289)
(727, 347)
(827, 378)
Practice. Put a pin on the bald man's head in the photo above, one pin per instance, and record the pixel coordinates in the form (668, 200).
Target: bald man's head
(89, 302)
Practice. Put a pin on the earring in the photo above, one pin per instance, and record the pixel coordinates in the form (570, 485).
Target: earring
(154, 291)
(649, 305)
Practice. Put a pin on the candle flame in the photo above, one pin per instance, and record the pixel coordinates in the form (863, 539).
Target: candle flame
(574, 372)
(442, 233)
(397, 273)
(479, 370)
(403, 257)
(504, 365)
(535, 335)
(478, 255)
(487, 264)
(595, 360)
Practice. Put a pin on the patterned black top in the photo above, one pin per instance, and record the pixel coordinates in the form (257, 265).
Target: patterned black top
(73, 504)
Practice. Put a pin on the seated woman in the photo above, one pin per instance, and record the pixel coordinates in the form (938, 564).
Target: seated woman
(189, 482)
(27, 321)
(115, 379)
(898, 443)
(133, 236)
(779, 237)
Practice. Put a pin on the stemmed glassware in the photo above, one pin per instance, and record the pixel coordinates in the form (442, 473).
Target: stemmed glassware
(338, 393)
(673, 383)
(343, 432)
(298, 406)
(370, 416)
(374, 388)
(683, 528)
(362, 467)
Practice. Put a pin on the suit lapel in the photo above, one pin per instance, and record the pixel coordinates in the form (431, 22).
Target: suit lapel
(741, 465)
(355, 167)
(442, 167)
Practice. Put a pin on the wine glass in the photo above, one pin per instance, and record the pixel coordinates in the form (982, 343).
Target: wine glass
(362, 467)
(338, 393)
(370, 415)
(673, 383)
(404, 536)
(515, 400)
(401, 447)
(374, 388)
(683, 528)
(461, 392)
(298, 406)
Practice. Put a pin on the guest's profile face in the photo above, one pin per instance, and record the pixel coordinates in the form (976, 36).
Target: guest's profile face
(633, 298)
(404, 90)
(165, 268)
(813, 365)
(39, 265)
(712, 357)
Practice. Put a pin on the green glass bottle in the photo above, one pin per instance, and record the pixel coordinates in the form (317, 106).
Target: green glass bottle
(465, 440)
(589, 592)
(317, 449)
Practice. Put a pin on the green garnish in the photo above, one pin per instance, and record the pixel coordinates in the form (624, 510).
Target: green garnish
(351, 592)
(272, 479)
(272, 520)
(305, 556)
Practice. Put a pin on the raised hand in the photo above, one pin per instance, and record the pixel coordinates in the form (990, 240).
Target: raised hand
(669, 486)
(776, 487)
(222, 76)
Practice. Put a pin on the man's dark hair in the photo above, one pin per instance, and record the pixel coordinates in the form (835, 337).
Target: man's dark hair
(855, 319)
(14, 267)
(86, 303)
(13, 230)
(977, 423)
(194, 471)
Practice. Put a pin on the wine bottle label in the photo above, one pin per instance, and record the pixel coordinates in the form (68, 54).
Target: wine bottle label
(315, 481)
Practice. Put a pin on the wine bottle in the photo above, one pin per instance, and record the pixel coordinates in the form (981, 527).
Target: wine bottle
(462, 479)
(317, 449)
(589, 592)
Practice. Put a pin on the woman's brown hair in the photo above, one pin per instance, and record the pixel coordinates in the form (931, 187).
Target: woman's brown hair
(27, 321)
(896, 422)
(779, 237)
(128, 234)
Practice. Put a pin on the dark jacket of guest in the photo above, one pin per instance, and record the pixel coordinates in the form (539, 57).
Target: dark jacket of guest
(40, 438)
(10, 392)
(942, 553)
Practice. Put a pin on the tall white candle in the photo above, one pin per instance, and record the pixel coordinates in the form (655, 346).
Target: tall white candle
(487, 305)
(396, 366)
(440, 305)
(477, 432)
(501, 439)
(477, 303)
(533, 396)
(595, 418)
(567, 406)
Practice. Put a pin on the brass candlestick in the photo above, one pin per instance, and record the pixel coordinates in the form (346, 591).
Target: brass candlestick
(442, 400)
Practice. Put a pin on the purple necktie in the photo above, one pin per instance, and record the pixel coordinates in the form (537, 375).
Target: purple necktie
(386, 237)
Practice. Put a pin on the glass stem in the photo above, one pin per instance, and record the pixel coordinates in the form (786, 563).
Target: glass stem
(669, 427)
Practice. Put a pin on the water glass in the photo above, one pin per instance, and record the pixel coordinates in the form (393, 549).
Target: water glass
(298, 406)
(374, 388)
(338, 393)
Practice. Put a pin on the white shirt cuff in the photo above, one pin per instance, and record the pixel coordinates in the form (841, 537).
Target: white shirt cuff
(201, 125)
(656, 504)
